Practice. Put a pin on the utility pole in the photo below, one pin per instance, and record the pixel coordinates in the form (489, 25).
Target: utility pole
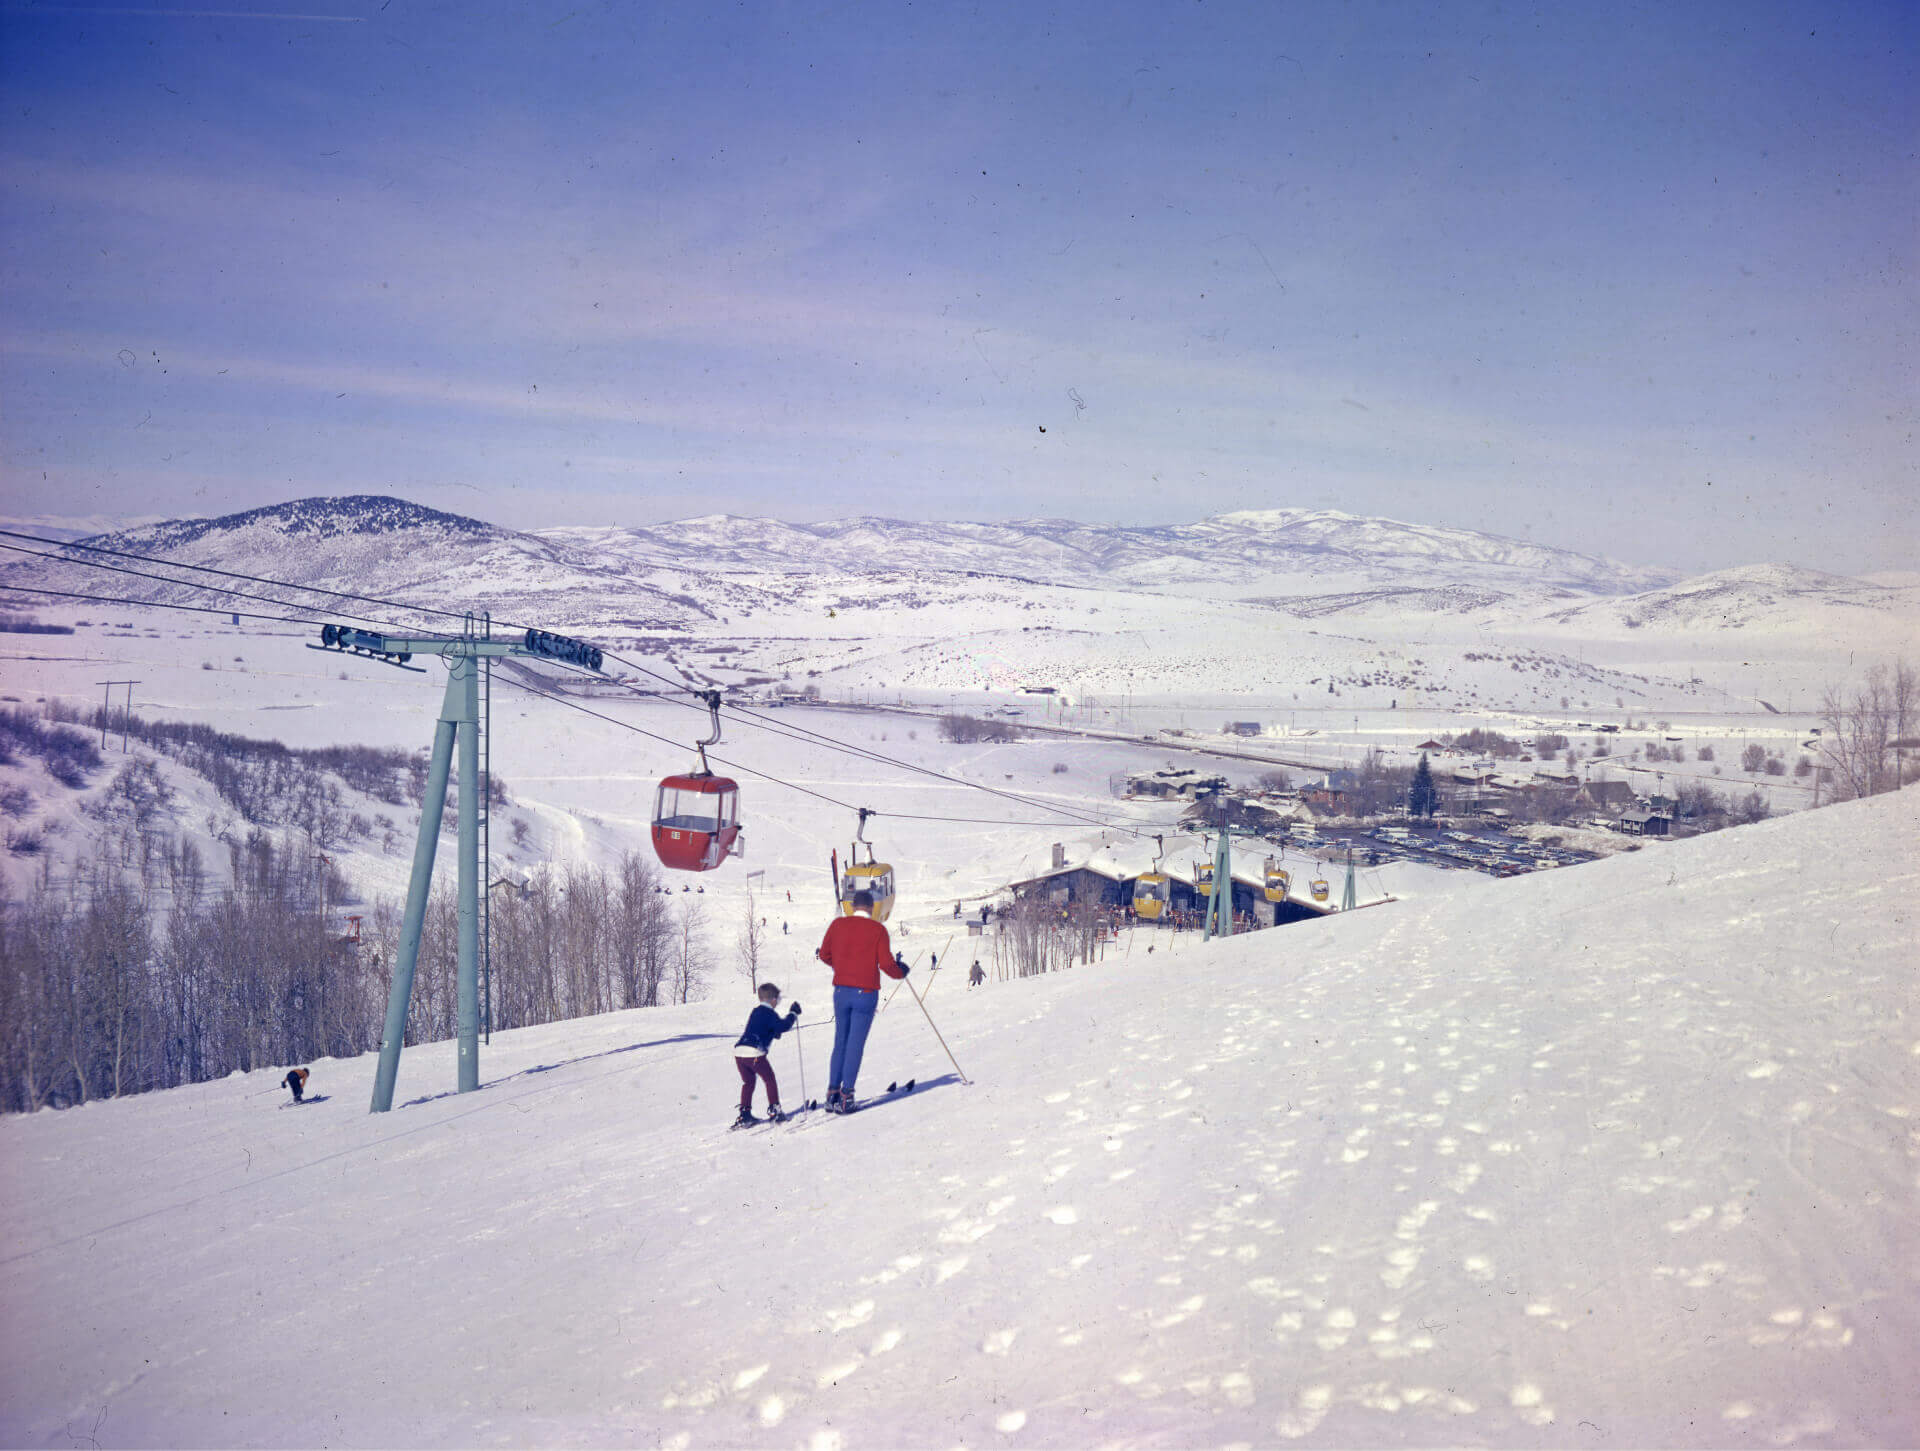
(106, 711)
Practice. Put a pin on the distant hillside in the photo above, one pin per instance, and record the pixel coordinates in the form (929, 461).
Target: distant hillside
(303, 520)
(1764, 596)
(944, 605)
(370, 545)
(1233, 552)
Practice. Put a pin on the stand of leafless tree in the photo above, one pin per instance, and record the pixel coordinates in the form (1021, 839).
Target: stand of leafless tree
(1037, 936)
(969, 728)
(102, 995)
(1863, 724)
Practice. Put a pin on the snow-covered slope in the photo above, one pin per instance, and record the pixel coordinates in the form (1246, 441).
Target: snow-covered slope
(1617, 1155)
(1763, 595)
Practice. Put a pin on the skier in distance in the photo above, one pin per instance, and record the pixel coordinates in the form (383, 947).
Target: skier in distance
(858, 950)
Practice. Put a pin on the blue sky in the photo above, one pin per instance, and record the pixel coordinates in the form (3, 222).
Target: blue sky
(1631, 278)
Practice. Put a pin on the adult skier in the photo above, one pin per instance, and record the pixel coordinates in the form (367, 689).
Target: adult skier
(858, 950)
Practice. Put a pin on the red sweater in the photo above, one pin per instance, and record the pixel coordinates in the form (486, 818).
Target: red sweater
(858, 950)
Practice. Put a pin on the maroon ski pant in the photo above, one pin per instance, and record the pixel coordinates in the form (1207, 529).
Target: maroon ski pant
(751, 1068)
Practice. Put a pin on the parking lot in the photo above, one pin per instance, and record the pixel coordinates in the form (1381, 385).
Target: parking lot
(1480, 847)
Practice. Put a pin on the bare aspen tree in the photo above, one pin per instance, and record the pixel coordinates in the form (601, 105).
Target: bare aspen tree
(689, 952)
(750, 942)
(639, 915)
(1861, 724)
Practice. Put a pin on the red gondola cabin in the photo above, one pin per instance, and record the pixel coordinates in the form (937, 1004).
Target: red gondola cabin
(696, 821)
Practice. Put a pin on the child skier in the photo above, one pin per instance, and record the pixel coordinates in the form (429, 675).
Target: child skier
(297, 1081)
(764, 1024)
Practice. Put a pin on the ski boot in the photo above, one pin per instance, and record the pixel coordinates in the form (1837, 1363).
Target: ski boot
(775, 1115)
(745, 1121)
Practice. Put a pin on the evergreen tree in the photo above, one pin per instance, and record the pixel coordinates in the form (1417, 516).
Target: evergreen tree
(1421, 797)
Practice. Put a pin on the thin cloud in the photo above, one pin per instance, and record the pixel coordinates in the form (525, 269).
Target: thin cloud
(185, 14)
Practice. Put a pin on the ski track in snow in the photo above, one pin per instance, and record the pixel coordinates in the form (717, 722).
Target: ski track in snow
(1621, 1155)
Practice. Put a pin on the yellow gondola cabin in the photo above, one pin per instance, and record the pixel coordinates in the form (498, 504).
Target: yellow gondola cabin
(1152, 895)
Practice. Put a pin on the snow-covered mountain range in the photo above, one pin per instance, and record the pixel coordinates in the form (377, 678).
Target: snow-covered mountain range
(1225, 554)
(1275, 601)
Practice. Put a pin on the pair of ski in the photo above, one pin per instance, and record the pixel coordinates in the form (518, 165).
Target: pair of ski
(813, 1106)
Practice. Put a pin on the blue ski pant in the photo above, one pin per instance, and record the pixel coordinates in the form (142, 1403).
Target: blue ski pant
(853, 1012)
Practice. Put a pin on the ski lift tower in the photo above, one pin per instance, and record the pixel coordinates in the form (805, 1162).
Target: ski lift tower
(469, 660)
(1218, 919)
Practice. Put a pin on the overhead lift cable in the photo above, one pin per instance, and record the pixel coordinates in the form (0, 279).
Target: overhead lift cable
(204, 588)
(68, 594)
(1069, 814)
(224, 574)
(1076, 814)
(392, 604)
(801, 733)
(767, 775)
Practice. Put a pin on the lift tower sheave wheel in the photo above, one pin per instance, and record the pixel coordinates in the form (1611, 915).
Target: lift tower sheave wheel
(458, 726)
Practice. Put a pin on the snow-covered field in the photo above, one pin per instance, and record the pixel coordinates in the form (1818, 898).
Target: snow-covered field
(584, 786)
(1617, 1155)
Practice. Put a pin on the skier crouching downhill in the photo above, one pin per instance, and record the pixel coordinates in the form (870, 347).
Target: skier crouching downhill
(764, 1024)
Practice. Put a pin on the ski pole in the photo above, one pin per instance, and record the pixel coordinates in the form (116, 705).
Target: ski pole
(936, 1033)
(803, 1065)
(936, 976)
(896, 988)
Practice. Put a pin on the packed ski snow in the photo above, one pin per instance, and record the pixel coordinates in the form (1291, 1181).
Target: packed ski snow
(1622, 1155)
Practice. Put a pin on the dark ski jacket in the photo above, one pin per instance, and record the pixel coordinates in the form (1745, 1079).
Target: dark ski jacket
(764, 1025)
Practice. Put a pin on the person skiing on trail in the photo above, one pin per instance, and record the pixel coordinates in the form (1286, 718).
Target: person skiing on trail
(764, 1024)
(858, 950)
(976, 974)
(297, 1081)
